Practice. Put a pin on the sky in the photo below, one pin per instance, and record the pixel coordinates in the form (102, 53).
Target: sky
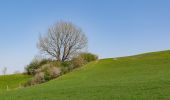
(114, 27)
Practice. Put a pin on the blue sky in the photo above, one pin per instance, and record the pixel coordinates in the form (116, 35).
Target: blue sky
(113, 27)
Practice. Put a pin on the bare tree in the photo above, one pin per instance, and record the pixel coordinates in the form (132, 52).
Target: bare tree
(4, 70)
(62, 41)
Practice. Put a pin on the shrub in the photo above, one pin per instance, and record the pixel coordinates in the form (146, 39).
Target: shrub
(35, 64)
(38, 78)
(88, 57)
(83, 58)
(54, 72)
(78, 61)
(44, 73)
(50, 71)
(31, 68)
(65, 64)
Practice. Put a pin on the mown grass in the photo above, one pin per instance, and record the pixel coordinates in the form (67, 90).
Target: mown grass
(141, 77)
(10, 82)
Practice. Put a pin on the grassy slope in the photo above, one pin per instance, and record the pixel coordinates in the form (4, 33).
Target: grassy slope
(141, 77)
(12, 81)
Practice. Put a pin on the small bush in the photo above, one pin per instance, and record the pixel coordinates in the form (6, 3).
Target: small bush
(65, 64)
(64, 70)
(54, 72)
(78, 62)
(88, 57)
(34, 65)
(30, 69)
(38, 78)
(83, 58)
(50, 71)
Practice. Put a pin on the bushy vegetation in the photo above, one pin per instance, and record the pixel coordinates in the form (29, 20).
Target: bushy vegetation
(88, 57)
(83, 58)
(35, 65)
(47, 69)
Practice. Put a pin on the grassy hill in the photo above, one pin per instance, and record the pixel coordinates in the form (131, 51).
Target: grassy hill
(140, 77)
(12, 81)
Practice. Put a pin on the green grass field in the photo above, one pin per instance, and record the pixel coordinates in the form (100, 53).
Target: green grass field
(140, 77)
(11, 82)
